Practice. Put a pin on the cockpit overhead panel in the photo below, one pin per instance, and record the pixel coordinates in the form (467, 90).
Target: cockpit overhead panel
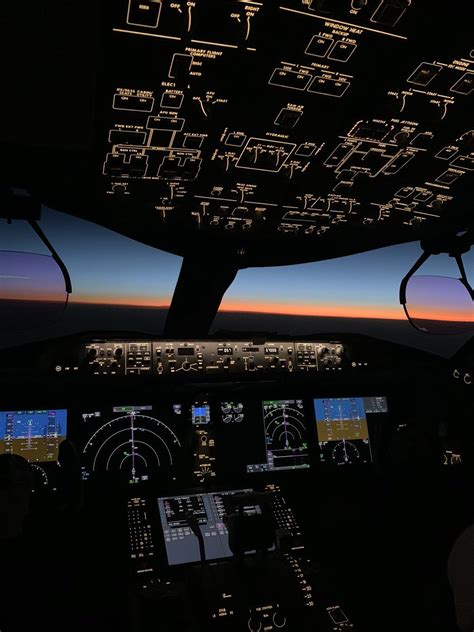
(282, 119)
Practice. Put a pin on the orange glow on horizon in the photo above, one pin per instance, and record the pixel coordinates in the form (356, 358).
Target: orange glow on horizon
(448, 316)
(48, 298)
(121, 301)
(334, 311)
(261, 308)
(284, 309)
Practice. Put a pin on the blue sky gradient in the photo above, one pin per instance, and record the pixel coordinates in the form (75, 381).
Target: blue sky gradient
(108, 268)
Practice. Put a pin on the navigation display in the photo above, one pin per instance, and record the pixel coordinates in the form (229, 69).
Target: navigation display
(343, 429)
(135, 442)
(182, 545)
(33, 434)
(286, 436)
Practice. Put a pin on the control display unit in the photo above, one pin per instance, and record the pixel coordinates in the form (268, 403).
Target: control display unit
(343, 428)
(176, 513)
(33, 434)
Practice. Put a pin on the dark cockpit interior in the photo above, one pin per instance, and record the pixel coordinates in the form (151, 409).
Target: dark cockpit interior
(236, 451)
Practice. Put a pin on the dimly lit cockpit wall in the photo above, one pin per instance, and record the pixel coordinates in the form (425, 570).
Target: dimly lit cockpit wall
(243, 125)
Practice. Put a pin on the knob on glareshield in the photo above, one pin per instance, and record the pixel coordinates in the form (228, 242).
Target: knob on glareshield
(92, 353)
(118, 352)
(185, 366)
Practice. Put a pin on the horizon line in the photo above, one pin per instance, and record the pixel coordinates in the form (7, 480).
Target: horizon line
(239, 310)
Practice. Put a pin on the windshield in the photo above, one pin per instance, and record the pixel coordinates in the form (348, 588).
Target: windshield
(121, 284)
(117, 283)
(356, 294)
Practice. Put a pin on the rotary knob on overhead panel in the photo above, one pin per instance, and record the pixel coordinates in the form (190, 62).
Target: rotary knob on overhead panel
(466, 143)
(209, 103)
(315, 5)
(254, 623)
(402, 139)
(358, 4)
(437, 205)
(279, 619)
(119, 189)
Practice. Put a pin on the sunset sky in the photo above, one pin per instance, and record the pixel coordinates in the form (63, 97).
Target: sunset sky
(107, 268)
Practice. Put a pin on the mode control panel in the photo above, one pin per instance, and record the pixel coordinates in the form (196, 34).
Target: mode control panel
(322, 356)
(168, 357)
(223, 357)
(105, 358)
(330, 356)
(138, 359)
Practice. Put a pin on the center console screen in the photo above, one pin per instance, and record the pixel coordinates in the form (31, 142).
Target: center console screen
(342, 425)
(182, 545)
(33, 434)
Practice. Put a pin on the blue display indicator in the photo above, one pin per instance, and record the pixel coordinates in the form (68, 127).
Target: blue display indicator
(33, 434)
(200, 414)
(339, 409)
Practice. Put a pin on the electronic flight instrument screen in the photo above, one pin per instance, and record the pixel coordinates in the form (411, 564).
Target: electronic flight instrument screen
(33, 434)
(285, 435)
(132, 441)
(182, 545)
(343, 428)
